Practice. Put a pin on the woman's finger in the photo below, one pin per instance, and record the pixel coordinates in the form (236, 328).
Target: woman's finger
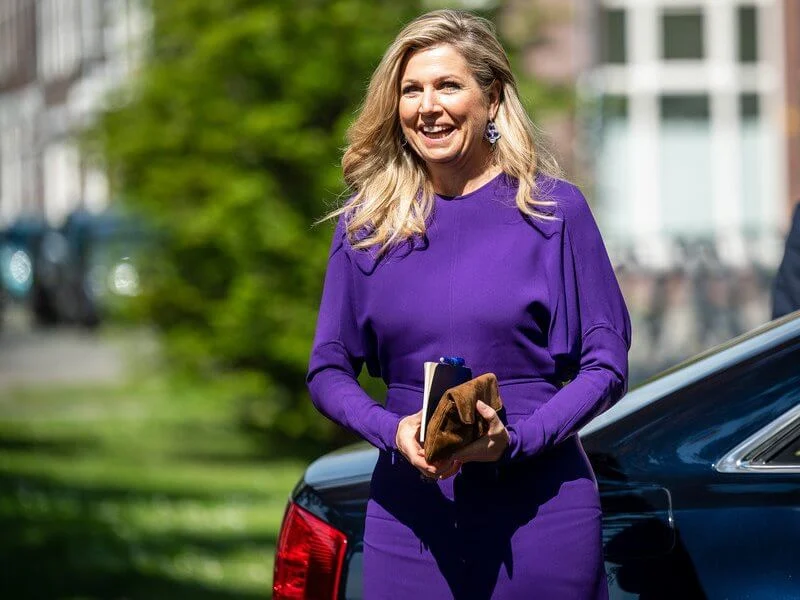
(486, 411)
(496, 426)
(423, 466)
(454, 467)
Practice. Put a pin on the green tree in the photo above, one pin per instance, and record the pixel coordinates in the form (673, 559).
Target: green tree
(229, 141)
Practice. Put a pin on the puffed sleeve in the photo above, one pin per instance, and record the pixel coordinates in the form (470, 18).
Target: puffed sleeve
(589, 329)
(338, 354)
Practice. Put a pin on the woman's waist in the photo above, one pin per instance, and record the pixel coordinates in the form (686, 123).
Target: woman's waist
(565, 461)
(520, 397)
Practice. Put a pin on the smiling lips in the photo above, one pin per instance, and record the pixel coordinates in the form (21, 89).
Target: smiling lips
(436, 132)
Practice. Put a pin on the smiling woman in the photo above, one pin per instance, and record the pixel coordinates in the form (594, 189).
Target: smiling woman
(455, 242)
(444, 113)
(437, 69)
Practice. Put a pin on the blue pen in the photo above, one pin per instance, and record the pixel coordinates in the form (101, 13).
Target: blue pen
(455, 361)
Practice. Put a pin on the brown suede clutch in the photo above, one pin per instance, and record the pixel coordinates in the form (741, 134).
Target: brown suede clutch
(456, 421)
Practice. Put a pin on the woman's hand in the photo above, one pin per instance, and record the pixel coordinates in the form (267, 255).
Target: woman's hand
(407, 441)
(487, 448)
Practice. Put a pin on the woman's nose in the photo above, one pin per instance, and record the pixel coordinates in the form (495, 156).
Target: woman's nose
(428, 102)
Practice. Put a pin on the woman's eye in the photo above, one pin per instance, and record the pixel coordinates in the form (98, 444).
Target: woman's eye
(452, 85)
(408, 89)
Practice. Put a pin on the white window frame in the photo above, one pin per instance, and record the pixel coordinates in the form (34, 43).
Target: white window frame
(58, 37)
(645, 77)
(44, 41)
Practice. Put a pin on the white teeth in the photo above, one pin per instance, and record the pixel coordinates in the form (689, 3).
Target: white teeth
(435, 128)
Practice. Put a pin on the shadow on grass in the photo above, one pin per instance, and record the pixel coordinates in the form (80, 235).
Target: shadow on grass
(56, 542)
(10, 442)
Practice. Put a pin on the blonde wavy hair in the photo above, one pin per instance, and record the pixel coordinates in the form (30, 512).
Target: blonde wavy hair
(392, 196)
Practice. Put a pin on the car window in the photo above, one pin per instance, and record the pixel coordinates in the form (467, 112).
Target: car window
(784, 447)
(775, 448)
(790, 455)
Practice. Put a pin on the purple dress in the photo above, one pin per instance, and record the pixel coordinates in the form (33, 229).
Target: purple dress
(535, 302)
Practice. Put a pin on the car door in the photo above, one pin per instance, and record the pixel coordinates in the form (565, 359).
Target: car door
(701, 488)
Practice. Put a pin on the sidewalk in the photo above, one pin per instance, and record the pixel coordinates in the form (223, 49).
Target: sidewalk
(35, 356)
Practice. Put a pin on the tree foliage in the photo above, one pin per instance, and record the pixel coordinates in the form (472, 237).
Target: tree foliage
(229, 140)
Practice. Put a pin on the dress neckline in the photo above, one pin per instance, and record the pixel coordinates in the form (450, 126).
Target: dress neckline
(488, 186)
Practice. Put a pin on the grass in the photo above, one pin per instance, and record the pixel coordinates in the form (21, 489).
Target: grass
(143, 490)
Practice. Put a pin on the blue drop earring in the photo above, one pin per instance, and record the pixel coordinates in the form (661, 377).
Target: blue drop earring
(492, 134)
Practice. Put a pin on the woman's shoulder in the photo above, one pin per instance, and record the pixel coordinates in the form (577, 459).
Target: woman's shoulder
(368, 259)
(565, 198)
(559, 202)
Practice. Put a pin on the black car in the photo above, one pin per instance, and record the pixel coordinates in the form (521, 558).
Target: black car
(20, 261)
(88, 267)
(699, 476)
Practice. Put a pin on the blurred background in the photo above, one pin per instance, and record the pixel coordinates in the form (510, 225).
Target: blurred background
(161, 166)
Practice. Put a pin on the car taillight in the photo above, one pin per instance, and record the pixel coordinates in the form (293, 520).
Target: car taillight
(309, 558)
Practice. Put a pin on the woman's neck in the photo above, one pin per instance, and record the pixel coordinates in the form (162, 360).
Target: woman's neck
(459, 179)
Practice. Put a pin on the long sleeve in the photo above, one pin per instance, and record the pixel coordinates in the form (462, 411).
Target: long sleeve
(338, 353)
(590, 329)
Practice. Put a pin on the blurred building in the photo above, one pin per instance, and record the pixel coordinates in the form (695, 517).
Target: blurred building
(687, 123)
(691, 106)
(687, 120)
(685, 132)
(58, 61)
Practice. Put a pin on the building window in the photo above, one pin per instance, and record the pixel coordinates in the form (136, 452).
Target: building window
(44, 38)
(613, 167)
(9, 25)
(91, 30)
(682, 35)
(71, 35)
(614, 108)
(613, 26)
(685, 165)
(758, 182)
(62, 180)
(747, 20)
(11, 167)
(58, 37)
(685, 108)
(749, 107)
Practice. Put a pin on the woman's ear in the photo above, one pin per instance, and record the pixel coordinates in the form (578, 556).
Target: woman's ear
(494, 99)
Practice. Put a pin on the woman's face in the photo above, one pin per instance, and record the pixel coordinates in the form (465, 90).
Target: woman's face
(443, 111)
